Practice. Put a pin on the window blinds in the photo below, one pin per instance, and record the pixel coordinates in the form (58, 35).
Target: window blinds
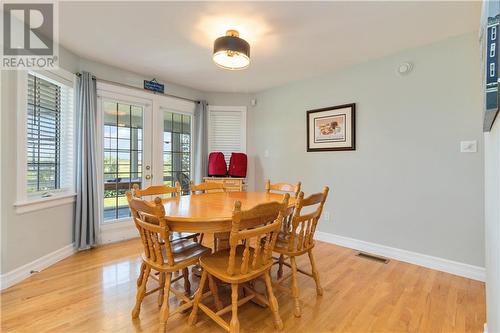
(227, 131)
(49, 127)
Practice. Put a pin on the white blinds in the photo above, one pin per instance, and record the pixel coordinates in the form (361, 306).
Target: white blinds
(227, 131)
(67, 164)
(49, 129)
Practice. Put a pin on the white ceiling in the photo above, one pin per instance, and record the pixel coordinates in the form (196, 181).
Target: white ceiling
(289, 40)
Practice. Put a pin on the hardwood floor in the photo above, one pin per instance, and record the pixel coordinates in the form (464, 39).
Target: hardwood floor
(94, 291)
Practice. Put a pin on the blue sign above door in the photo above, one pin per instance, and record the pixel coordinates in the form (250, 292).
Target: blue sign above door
(153, 85)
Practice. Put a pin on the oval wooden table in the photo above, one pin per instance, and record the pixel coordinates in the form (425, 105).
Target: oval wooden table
(212, 212)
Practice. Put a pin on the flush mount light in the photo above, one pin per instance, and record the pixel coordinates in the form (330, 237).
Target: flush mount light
(231, 52)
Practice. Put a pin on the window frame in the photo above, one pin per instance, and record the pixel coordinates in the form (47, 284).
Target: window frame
(27, 202)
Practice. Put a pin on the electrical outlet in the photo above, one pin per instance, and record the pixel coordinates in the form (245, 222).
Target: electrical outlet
(266, 153)
(326, 216)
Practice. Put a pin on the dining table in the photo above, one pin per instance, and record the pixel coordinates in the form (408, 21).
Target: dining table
(212, 212)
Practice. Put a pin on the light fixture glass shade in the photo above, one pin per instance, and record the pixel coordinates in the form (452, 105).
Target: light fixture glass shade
(231, 60)
(231, 52)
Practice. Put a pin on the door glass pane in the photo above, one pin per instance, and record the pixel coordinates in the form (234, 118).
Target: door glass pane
(123, 125)
(177, 149)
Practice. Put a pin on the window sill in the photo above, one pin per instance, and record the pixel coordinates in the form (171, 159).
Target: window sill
(27, 206)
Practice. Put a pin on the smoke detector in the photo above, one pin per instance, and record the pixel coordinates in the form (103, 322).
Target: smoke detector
(405, 68)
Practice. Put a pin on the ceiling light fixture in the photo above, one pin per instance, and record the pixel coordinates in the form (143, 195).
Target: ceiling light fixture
(231, 52)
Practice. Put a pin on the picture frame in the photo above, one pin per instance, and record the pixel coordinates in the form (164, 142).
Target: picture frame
(332, 128)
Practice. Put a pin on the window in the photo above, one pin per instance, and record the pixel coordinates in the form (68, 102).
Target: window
(47, 160)
(493, 33)
(493, 47)
(43, 135)
(227, 130)
(177, 149)
(492, 69)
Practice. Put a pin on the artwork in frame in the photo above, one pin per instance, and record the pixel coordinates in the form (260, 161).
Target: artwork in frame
(331, 129)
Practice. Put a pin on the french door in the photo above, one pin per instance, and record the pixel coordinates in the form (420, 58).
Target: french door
(127, 153)
(144, 142)
(177, 147)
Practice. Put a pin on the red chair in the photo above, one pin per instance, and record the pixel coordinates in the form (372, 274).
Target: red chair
(217, 164)
(238, 165)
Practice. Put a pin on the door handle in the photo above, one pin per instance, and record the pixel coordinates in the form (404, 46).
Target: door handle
(148, 177)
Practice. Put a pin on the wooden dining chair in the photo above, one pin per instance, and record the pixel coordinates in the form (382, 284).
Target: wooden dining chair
(249, 257)
(209, 187)
(164, 190)
(206, 187)
(283, 188)
(158, 190)
(299, 240)
(161, 255)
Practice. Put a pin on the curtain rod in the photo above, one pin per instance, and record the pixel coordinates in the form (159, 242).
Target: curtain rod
(144, 90)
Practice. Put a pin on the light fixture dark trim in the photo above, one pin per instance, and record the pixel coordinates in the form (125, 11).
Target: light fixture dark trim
(232, 43)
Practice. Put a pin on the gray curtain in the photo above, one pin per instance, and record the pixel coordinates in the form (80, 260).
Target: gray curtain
(86, 224)
(201, 141)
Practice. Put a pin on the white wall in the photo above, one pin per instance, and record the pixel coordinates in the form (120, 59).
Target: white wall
(492, 226)
(406, 185)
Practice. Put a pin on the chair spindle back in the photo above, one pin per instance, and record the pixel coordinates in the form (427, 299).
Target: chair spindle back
(270, 216)
(207, 187)
(150, 221)
(303, 226)
(283, 188)
(158, 190)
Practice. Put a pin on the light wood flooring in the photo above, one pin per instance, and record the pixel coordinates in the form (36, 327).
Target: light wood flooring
(94, 291)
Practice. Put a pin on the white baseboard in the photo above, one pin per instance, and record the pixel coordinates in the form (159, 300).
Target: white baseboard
(118, 231)
(440, 264)
(21, 273)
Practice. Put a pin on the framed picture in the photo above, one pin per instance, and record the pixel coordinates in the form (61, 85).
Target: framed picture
(331, 129)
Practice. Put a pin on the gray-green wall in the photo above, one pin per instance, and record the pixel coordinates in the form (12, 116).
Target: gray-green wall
(407, 185)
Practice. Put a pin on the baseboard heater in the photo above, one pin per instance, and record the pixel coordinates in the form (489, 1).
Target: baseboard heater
(372, 257)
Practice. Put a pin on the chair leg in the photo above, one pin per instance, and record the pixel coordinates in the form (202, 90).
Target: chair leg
(187, 284)
(280, 266)
(141, 292)
(194, 312)
(273, 303)
(164, 311)
(315, 273)
(215, 292)
(141, 274)
(234, 325)
(161, 282)
(295, 287)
